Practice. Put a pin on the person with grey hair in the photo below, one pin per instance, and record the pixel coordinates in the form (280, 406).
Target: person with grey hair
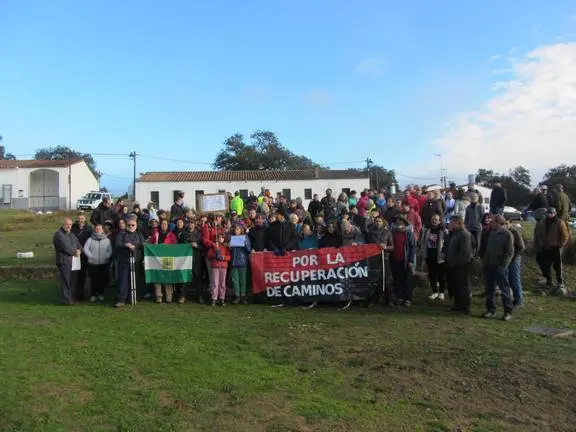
(127, 243)
(66, 246)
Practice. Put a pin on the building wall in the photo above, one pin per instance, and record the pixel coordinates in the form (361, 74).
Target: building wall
(297, 187)
(82, 181)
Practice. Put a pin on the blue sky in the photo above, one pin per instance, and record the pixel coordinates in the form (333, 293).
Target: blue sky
(337, 81)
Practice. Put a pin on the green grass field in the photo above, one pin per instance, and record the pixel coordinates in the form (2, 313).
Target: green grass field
(253, 368)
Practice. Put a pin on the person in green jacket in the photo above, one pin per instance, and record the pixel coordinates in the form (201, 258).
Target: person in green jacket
(497, 258)
(563, 204)
(237, 204)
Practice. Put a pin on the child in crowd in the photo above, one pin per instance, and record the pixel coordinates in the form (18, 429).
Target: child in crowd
(240, 263)
(219, 257)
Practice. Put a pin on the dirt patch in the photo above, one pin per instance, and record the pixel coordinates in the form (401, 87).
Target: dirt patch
(70, 392)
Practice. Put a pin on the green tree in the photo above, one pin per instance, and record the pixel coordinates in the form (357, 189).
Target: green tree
(564, 175)
(265, 152)
(63, 153)
(3, 154)
(484, 177)
(521, 175)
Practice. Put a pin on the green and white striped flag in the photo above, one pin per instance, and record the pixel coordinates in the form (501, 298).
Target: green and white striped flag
(168, 263)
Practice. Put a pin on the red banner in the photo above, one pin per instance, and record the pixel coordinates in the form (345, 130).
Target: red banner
(332, 273)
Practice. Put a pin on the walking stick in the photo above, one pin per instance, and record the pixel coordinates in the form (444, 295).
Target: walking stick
(133, 292)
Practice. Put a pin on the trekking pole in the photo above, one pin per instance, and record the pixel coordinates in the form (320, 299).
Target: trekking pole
(132, 280)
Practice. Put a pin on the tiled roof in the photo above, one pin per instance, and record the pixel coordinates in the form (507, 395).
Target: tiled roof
(229, 176)
(10, 164)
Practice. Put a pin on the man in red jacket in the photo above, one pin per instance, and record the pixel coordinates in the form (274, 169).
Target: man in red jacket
(411, 201)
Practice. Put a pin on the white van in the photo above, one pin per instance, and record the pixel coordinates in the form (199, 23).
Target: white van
(91, 200)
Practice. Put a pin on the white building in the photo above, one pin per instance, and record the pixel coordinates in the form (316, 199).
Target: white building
(160, 187)
(43, 184)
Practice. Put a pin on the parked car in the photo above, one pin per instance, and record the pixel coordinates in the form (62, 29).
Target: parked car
(91, 200)
(513, 214)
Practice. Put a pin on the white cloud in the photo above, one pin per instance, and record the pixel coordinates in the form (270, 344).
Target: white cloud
(531, 121)
(318, 98)
(495, 57)
(371, 66)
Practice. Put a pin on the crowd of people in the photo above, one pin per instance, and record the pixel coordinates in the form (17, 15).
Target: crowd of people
(449, 230)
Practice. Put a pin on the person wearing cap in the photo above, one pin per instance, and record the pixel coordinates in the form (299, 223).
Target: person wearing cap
(539, 202)
(497, 258)
(237, 204)
(552, 237)
(177, 209)
(403, 260)
(473, 220)
(458, 256)
(515, 267)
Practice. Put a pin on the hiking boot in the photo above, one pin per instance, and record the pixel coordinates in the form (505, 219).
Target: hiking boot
(213, 303)
(433, 296)
(407, 303)
(200, 300)
(101, 297)
(245, 300)
(507, 316)
(236, 300)
(488, 314)
(168, 299)
(441, 297)
(119, 305)
(182, 300)
(158, 299)
(92, 299)
(399, 302)
(222, 303)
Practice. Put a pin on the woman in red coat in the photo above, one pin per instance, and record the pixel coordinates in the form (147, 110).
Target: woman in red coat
(163, 236)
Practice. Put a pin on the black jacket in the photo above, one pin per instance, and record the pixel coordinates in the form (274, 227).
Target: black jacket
(176, 211)
(101, 214)
(122, 252)
(330, 240)
(459, 248)
(315, 208)
(498, 197)
(281, 236)
(390, 215)
(257, 237)
(539, 201)
(82, 234)
(65, 246)
(431, 208)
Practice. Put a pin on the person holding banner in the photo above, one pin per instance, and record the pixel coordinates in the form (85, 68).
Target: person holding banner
(127, 243)
(163, 236)
(403, 260)
(281, 235)
(331, 237)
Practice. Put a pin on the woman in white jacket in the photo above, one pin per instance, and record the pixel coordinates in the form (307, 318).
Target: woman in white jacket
(98, 249)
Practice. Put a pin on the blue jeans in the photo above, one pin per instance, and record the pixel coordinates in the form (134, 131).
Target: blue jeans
(496, 275)
(515, 279)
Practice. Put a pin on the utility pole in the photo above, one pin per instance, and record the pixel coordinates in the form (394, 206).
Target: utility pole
(133, 156)
(368, 163)
(442, 171)
(69, 179)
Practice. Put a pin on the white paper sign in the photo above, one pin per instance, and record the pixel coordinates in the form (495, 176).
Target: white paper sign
(76, 263)
(238, 241)
(214, 203)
